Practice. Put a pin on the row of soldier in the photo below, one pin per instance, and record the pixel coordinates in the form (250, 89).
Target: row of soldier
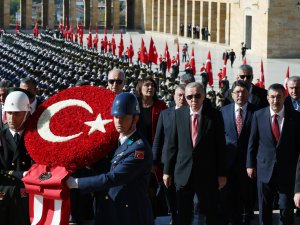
(242, 93)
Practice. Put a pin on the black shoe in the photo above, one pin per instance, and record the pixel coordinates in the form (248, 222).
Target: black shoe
(298, 213)
(172, 220)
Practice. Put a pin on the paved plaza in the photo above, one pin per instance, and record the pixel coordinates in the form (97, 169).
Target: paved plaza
(274, 69)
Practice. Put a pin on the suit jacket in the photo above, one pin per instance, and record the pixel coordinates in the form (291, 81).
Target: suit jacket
(258, 97)
(297, 183)
(236, 146)
(127, 184)
(12, 156)
(206, 158)
(288, 103)
(157, 107)
(164, 125)
(264, 154)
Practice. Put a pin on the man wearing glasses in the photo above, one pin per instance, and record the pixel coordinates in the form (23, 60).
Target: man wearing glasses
(116, 79)
(258, 96)
(195, 156)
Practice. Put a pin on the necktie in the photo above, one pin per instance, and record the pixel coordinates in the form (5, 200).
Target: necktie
(194, 128)
(275, 128)
(239, 121)
(17, 138)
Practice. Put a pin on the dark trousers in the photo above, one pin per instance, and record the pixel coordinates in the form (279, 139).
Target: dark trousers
(236, 199)
(207, 201)
(266, 194)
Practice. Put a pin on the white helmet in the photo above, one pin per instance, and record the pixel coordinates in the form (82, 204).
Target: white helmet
(16, 101)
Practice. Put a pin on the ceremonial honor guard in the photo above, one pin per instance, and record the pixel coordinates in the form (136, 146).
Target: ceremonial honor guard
(14, 160)
(127, 202)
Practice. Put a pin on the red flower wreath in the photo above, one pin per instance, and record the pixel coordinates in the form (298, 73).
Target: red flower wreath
(73, 128)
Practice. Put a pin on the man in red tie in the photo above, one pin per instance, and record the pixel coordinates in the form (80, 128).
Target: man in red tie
(195, 156)
(237, 198)
(273, 151)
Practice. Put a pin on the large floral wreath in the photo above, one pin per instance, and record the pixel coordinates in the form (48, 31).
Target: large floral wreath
(73, 128)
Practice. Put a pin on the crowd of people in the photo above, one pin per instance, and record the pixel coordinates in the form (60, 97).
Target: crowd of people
(232, 157)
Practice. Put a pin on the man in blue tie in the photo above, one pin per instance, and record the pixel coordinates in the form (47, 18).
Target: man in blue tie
(293, 100)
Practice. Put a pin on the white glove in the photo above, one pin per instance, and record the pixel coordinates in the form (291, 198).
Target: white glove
(72, 182)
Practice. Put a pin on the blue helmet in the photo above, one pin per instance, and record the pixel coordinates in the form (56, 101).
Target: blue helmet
(125, 104)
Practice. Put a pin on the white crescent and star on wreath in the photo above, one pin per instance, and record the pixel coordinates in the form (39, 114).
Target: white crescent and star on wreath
(43, 125)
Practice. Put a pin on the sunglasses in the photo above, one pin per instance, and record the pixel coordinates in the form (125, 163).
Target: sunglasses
(190, 97)
(118, 82)
(245, 76)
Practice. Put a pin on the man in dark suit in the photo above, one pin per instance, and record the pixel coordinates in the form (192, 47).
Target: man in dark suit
(14, 160)
(196, 155)
(258, 96)
(164, 124)
(236, 197)
(273, 151)
(293, 100)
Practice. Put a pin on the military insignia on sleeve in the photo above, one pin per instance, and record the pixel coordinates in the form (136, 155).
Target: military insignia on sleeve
(23, 193)
(2, 195)
(139, 154)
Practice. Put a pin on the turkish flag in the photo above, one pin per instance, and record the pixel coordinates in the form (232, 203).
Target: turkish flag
(61, 27)
(130, 51)
(287, 76)
(177, 55)
(113, 43)
(262, 75)
(153, 56)
(144, 54)
(121, 46)
(192, 62)
(96, 39)
(167, 56)
(105, 40)
(90, 38)
(208, 68)
(17, 26)
(36, 29)
(71, 32)
(224, 68)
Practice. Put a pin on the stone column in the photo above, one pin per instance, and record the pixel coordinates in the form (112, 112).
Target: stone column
(66, 11)
(72, 17)
(116, 14)
(193, 12)
(5, 14)
(154, 14)
(130, 14)
(174, 20)
(167, 14)
(108, 13)
(160, 20)
(45, 12)
(148, 12)
(197, 13)
(138, 14)
(87, 14)
(185, 17)
(26, 14)
(180, 14)
(213, 21)
(94, 13)
(227, 24)
(221, 26)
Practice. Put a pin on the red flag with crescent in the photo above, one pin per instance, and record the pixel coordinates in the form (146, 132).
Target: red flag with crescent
(208, 68)
(68, 131)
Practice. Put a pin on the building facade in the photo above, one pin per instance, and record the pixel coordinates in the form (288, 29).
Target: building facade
(270, 28)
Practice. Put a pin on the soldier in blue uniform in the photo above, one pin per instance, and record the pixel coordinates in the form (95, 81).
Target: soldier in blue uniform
(127, 202)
